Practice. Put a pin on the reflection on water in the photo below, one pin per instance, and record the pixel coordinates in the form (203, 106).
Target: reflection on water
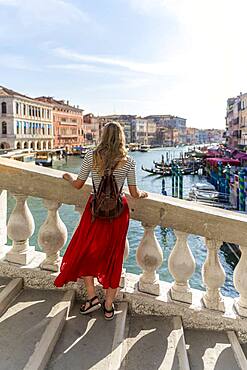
(165, 236)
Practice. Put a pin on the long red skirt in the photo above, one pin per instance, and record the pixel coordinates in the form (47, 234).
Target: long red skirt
(96, 249)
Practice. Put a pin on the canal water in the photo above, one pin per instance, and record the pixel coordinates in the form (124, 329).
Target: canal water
(165, 237)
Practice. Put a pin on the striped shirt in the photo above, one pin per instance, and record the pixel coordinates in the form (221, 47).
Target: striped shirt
(127, 171)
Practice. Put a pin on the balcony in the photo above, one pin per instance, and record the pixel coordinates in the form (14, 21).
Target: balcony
(66, 136)
(145, 294)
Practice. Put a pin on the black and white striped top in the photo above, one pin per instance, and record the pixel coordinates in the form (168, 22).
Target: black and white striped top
(127, 171)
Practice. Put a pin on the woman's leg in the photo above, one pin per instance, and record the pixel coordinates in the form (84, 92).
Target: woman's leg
(109, 298)
(89, 284)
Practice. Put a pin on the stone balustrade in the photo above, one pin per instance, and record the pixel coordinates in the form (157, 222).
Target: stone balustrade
(23, 180)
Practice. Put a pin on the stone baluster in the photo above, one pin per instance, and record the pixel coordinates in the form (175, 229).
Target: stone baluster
(181, 265)
(80, 210)
(20, 229)
(240, 283)
(213, 276)
(3, 221)
(149, 257)
(123, 274)
(52, 236)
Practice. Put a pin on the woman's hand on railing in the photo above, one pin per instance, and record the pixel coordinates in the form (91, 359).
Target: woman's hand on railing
(136, 193)
(143, 194)
(68, 177)
(78, 184)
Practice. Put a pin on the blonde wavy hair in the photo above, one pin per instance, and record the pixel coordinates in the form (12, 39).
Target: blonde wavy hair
(111, 149)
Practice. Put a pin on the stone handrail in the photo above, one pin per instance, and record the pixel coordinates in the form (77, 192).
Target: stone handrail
(182, 215)
(216, 225)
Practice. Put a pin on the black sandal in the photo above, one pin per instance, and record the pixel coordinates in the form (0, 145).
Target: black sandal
(92, 307)
(112, 311)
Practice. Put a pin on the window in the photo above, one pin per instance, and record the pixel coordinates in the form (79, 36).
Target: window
(4, 128)
(4, 108)
(17, 108)
(30, 110)
(24, 109)
(39, 112)
(48, 113)
(74, 120)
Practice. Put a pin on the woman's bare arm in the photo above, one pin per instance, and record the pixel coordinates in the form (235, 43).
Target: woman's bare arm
(136, 193)
(78, 184)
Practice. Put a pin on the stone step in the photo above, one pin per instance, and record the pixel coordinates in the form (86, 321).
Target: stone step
(152, 343)
(89, 341)
(237, 350)
(4, 280)
(209, 350)
(44, 348)
(244, 348)
(23, 324)
(10, 291)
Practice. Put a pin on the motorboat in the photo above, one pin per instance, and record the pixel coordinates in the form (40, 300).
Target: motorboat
(47, 157)
(203, 192)
(144, 148)
(133, 147)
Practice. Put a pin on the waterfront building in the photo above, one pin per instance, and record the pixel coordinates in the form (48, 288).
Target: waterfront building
(233, 132)
(124, 119)
(67, 123)
(168, 120)
(92, 129)
(25, 123)
(143, 131)
(242, 142)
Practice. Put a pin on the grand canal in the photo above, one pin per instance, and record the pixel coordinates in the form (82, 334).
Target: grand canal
(165, 236)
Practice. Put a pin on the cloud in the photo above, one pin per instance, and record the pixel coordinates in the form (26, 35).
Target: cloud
(44, 12)
(159, 68)
(12, 61)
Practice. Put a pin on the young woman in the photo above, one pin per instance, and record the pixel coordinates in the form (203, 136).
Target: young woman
(97, 248)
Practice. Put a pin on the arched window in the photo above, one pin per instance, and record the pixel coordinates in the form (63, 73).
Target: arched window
(18, 145)
(4, 107)
(25, 145)
(4, 128)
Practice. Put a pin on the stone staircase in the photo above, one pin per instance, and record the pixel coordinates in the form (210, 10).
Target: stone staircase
(42, 329)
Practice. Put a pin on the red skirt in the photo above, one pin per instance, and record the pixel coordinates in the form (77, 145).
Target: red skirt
(96, 249)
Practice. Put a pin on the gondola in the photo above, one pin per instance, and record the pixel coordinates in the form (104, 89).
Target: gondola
(159, 172)
(152, 171)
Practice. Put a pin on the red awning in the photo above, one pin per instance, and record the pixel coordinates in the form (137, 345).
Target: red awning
(231, 161)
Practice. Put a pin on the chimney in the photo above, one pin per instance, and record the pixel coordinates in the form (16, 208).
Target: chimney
(67, 102)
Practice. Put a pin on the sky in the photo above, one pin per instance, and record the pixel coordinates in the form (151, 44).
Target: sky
(179, 57)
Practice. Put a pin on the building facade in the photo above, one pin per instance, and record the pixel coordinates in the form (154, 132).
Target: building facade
(143, 131)
(92, 129)
(25, 123)
(168, 120)
(233, 132)
(67, 123)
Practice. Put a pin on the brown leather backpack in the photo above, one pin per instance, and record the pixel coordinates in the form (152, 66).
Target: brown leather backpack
(107, 200)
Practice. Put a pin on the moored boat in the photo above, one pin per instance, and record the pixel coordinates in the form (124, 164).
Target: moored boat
(133, 147)
(205, 192)
(144, 148)
(47, 157)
